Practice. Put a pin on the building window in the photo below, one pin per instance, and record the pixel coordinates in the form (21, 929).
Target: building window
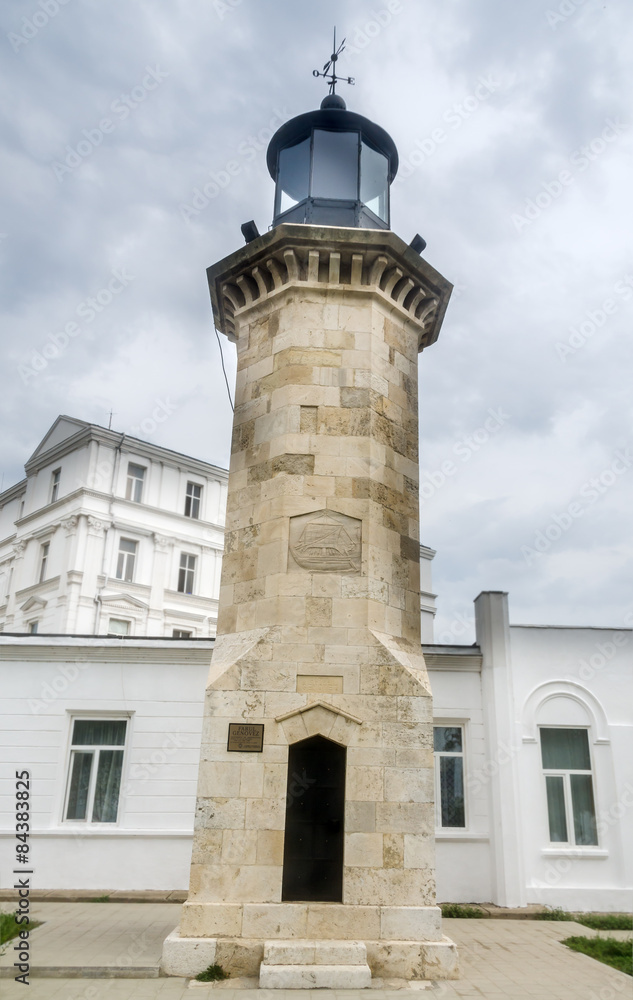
(94, 775)
(192, 500)
(55, 477)
(181, 633)
(569, 786)
(186, 573)
(125, 562)
(135, 479)
(118, 626)
(33, 628)
(448, 743)
(44, 550)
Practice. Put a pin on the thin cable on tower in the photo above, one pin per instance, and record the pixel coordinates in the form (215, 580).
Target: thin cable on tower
(224, 369)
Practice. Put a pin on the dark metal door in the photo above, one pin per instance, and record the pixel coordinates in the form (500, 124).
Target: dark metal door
(315, 806)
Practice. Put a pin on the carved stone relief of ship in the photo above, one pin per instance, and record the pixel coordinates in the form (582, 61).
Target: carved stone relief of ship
(326, 542)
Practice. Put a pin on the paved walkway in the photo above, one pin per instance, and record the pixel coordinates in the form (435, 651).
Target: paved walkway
(500, 960)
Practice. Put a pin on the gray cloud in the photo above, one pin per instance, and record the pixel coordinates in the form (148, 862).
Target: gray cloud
(226, 71)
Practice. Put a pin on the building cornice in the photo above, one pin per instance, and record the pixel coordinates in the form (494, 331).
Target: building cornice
(107, 498)
(13, 492)
(115, 439)
(55, 648)
(438, 657)
(361, 261)
(51, 584)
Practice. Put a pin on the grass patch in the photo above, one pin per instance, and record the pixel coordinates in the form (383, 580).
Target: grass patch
(212, 974)
(617, 954)
(597, 921)
(457, 910)
(606, 921)
(555, 914)
(9, 929)
(100, 899)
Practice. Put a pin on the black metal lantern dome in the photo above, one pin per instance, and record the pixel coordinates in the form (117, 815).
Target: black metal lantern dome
(332, 167)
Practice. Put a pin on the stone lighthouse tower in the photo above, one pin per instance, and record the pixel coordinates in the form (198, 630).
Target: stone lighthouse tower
(313, 856)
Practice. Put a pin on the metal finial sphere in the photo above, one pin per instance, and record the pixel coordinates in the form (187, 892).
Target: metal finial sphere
(333, 102)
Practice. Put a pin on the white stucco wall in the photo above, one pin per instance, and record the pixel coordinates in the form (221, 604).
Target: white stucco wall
(580, 678)
(463, 856)
(159, 687)
(560, 677)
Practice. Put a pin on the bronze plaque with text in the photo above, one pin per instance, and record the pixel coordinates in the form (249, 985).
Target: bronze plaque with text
(245, 737)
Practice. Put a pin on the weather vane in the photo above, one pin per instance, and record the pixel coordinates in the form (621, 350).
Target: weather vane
(332, 77)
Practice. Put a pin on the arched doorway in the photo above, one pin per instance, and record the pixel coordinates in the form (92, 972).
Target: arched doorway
(315, 808)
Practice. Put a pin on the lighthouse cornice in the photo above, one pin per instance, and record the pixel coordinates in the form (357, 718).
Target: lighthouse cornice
(356, 261)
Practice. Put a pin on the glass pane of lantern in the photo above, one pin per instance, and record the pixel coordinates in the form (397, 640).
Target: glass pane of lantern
(374, 184)
(335, 165)
(293, 178)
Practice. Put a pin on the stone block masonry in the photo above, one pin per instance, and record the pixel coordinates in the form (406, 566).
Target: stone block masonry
(319, 618)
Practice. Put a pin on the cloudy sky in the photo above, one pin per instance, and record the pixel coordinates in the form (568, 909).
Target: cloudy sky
(515, 140)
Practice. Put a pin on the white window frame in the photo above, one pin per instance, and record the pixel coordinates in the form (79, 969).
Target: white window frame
(193, 503)
(189, 634)
(45, 549)
(55, 478)
(188, 565)
(135, 483)
(96, 749)
(115, 635)
(124, 558)
(437, 755)
(34, 626)
(565, 774)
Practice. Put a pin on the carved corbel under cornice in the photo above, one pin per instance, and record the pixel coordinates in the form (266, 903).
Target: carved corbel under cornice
(163, 542)
(19, 546)
(96, 527)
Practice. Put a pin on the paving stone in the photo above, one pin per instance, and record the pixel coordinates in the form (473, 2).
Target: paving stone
(509, 959)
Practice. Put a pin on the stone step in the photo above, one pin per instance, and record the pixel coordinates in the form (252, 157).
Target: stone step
(305, 952)
(309, 977)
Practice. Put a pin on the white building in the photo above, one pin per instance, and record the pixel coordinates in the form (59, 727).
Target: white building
(534, 782)
(109, 535)
(534, 728)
